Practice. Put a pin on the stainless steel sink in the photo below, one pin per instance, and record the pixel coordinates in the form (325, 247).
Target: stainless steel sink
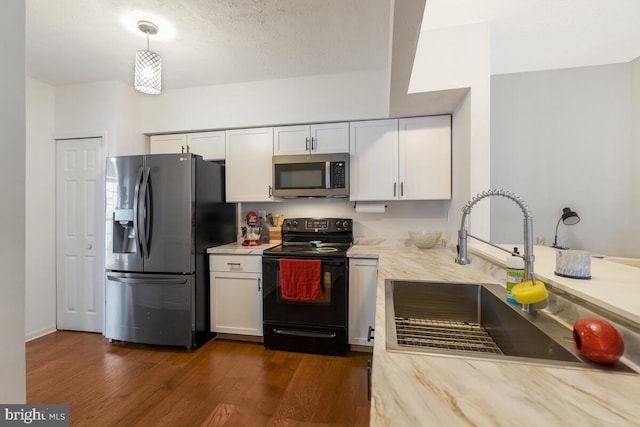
(474, 320)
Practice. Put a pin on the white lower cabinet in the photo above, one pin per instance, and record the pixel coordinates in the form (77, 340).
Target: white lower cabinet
(236, 294)
(363, 281)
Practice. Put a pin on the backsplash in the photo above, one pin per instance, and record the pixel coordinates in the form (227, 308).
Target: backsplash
(395, 222)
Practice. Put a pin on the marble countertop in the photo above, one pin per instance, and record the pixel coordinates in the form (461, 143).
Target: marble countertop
(410, 389)
(238, 249)
(613, 286)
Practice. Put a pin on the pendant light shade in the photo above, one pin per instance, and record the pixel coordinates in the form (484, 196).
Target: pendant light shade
(148, 65)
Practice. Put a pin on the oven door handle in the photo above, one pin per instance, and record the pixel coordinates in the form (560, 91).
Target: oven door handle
(310, 334)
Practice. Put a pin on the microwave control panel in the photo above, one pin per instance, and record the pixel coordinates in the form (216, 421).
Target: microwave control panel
(338, 175)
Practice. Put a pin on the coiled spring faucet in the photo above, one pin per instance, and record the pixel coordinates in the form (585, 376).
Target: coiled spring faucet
(528, 232)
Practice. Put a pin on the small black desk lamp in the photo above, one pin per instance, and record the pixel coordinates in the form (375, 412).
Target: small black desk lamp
(568, 217)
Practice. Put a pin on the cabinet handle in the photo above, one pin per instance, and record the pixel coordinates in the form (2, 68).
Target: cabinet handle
(395, 185)
(259, 285)
(182, 149)
(188, 149)
(234, 264)
(370, 334)
(306, 144)
(270, 192)
(402, 189)
(314, 148)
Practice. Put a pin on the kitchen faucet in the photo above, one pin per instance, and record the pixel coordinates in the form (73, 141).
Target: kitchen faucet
(528, 234)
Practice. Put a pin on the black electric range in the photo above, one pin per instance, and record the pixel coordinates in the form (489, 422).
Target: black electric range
(313, 237)
(310, 326)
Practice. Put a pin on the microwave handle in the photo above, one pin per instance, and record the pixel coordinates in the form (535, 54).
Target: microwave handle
(327, 174)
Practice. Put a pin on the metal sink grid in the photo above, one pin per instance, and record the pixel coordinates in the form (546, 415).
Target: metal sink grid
(444, 335)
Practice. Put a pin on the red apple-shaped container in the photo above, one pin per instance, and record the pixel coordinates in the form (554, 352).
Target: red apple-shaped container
(598, 340)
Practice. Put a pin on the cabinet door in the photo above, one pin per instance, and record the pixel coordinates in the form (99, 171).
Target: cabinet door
(373, 146)
(248, 165)
(210, 145)
(425, 158)
(363, 281)
(168, 144)
(291, 140)
(330, 138)
(236, 303)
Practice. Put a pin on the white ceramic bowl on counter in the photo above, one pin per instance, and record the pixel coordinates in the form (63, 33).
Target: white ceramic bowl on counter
(425, 239)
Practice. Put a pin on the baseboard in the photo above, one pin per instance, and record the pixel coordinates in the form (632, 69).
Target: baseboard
(361, 348)
(32, 335)
(238, 337)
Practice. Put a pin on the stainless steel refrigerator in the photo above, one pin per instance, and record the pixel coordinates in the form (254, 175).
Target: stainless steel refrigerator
(163, 211)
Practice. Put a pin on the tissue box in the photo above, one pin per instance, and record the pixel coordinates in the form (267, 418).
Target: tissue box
(275, 233)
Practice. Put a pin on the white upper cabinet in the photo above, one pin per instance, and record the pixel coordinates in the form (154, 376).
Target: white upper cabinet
(210, 145)
(168, 144)
(248, 165)
(374, 160)
(425, 158)
(311, 139)
(401, 159)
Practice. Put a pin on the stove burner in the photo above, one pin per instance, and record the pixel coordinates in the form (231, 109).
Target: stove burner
(325, 249)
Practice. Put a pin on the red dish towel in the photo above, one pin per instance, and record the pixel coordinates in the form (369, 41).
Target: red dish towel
(300, 279)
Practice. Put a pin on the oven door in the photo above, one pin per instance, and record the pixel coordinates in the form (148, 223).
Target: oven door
(329, 310)
(318, 326)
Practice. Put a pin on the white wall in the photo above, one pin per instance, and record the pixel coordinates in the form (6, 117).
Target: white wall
(40, 215)
(562, 138)
(634, 157)
(347, 96)
(400, 216)
(459, 57)
(12, 191)
(106, 108)
(128, 137)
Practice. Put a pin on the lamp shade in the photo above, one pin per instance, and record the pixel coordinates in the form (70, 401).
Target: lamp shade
(148, 72)
(569, 217)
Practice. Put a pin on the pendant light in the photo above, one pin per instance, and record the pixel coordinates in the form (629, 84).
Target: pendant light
(148, 65)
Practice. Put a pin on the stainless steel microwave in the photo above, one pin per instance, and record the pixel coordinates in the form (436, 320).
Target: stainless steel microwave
(311, 175)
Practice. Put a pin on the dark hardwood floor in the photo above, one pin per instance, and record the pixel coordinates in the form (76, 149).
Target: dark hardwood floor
(222, 383)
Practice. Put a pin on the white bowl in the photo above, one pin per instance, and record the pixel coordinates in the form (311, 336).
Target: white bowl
(424, 239)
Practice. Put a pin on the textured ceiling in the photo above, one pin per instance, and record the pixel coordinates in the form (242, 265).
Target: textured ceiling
(207, 42)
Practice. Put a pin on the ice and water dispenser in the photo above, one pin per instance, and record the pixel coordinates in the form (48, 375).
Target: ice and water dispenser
(124, 233)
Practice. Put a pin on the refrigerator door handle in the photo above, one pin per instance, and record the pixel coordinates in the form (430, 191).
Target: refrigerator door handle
(136, 203)
(160, 281)
(146, 213)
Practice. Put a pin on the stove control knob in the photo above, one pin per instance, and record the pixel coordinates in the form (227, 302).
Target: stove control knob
(295, 224)
(287, 224)
(345, 224)
(338, 222)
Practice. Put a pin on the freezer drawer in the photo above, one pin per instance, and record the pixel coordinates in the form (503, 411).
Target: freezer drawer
(150, 308)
